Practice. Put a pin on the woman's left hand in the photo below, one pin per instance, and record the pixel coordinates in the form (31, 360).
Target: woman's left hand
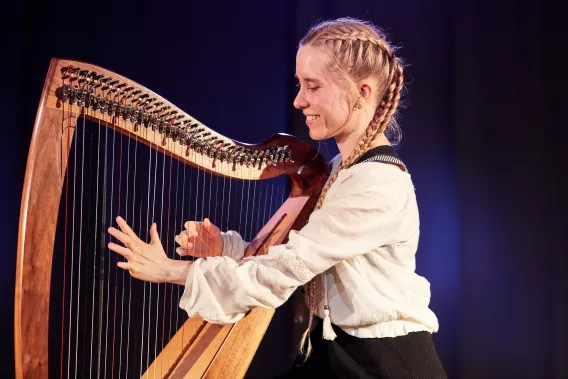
(145, 261)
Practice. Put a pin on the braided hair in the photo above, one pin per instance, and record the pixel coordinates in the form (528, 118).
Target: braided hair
(358, 51)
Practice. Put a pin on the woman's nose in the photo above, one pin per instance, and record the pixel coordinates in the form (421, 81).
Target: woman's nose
(299, 101)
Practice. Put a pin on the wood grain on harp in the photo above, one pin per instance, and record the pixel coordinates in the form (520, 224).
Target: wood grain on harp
(171, 138)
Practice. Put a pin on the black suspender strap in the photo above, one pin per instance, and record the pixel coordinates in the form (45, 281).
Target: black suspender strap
(382, 154)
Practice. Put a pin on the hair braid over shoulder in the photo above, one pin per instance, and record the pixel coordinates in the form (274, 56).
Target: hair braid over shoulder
(361, 50)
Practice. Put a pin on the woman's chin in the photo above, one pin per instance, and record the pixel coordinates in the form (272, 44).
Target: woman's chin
(317, 135)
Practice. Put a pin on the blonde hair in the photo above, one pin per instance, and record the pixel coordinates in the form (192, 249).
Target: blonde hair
(359, 50)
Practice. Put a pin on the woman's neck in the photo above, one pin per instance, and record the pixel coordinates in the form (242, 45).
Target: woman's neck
(349, 143)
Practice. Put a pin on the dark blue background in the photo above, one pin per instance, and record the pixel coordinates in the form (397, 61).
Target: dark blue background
(484, 136)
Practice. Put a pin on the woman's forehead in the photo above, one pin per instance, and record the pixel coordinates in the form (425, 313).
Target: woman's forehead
(311, 63)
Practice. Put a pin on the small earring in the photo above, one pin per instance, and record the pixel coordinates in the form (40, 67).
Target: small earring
(359, 105)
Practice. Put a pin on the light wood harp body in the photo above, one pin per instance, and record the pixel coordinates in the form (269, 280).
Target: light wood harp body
(104, 146)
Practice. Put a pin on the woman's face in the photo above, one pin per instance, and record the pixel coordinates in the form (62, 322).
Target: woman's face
(322, 100)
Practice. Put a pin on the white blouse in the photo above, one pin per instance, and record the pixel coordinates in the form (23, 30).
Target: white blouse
(364, 238)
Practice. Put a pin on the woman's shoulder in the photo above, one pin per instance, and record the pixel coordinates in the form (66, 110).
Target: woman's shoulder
(371, 184)
(376, 173)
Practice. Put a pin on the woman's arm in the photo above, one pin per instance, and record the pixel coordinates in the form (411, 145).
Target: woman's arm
(149, 261)
(357, 218)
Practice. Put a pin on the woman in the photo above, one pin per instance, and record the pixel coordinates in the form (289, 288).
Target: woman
(357, 252)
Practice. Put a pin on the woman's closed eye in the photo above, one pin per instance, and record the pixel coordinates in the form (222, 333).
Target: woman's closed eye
(310, 88)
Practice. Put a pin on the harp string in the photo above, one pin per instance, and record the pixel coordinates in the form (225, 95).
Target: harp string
(134, 226)
(119, 258)
(179, 211)
(182, 221)
(168, 250)
(73, 163)
(165, 241)
(196, 199)
(140, 212)
(145, 283)
(65, 239)
(102, 258)
(115, 121)
(203, 192)
(228, 195)
(152, 285)
(83, 301)
(223, 203)
(80, 243)
(95, 257)
(159, 229)
(111, 259)
(169, 214)
(251, 229)
(264, 218)
(122, 271)
(216, 221)
(254, 202)
(247, 236)
(256, 199)
(252, 218)
(259, 218)
(242, 205)
(208, 214)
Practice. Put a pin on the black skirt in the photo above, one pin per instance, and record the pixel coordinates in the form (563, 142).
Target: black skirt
(409, 356)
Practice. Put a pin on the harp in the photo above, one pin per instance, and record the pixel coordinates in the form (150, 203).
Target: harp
(104, 146)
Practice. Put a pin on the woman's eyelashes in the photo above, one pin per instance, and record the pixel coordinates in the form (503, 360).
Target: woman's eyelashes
(311, 88)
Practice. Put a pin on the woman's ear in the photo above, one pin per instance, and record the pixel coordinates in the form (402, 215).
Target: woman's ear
(365, 91)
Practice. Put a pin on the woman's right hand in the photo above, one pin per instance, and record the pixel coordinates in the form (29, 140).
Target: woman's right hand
(200, 240)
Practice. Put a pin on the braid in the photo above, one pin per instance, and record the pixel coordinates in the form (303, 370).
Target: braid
(361, 48)
(356, 35)
(383, 115)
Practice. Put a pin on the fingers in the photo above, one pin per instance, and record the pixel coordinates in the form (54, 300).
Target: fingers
(208, 226)
(190, 225)
(155, 237)
(127, 266)
(125, 235)
(125, 228)
(193, 227)
(126, 240)
(126, 253)
(183, 252)
(183, 240)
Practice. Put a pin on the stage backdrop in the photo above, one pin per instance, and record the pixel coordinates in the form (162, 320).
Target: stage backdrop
(483, 132)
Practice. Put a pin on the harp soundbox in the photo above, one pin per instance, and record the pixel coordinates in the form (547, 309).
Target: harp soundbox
(104, 146)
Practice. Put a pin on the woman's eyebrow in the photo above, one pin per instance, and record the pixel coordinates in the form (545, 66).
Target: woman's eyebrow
(307, 79)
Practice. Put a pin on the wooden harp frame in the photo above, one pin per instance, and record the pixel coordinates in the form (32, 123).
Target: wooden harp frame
(213, 351)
